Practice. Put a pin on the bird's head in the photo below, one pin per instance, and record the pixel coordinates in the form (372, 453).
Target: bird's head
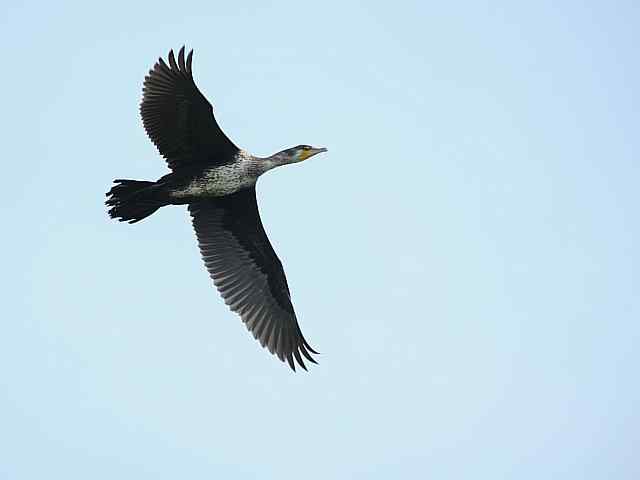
(290, 155)
(299, 153)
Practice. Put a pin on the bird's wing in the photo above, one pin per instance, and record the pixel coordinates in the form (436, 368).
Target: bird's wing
(178, 118)
(248, 273)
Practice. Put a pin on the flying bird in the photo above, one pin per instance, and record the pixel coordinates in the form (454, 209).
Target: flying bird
(216, 180)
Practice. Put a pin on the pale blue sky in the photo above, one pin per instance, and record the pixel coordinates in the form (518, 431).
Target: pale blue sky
(465, 256)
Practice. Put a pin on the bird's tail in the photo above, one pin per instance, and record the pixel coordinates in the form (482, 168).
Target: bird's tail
(133, 200)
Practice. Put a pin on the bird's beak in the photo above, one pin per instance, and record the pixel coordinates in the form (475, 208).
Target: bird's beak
(313, 151)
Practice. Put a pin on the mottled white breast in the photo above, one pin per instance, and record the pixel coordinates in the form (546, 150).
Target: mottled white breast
(222, 180)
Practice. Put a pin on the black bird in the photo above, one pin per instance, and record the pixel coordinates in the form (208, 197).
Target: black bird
(216, 180)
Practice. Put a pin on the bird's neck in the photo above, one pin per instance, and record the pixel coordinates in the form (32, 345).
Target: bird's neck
(259, 165)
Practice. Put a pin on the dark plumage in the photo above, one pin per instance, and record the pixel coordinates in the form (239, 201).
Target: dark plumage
(179, 120)
(216, 180)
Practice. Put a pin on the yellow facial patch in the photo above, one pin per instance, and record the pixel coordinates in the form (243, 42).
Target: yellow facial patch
(304, 154)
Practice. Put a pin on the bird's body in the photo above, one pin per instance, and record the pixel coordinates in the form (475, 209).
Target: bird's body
(217, 181)
(222, 180)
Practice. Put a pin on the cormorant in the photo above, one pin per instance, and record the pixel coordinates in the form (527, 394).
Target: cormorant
(216, 180)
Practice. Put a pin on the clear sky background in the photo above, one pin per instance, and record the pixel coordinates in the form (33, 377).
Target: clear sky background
(465, 256)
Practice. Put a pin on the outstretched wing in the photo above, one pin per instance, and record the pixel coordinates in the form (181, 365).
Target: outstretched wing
(247, 272)
(178, 119)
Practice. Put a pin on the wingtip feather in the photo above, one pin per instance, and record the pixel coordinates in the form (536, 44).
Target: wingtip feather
(189, 62)
(183, 68)
(172, 61)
